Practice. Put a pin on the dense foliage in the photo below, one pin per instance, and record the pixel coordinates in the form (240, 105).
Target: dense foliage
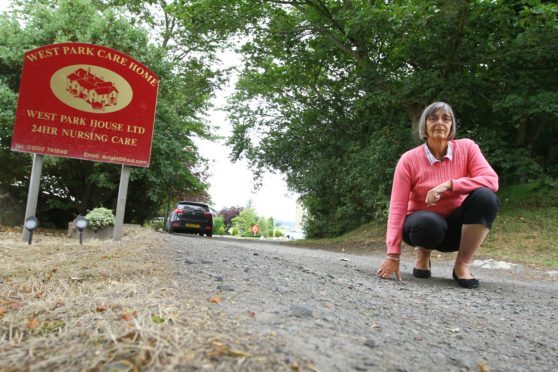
(328, 94)
(228, 214)
(247, 218)
(218, 225)
(244, 221)
(330, 89)
(146, 32)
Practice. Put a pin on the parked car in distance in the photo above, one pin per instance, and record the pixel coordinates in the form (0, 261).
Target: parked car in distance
(191, 217)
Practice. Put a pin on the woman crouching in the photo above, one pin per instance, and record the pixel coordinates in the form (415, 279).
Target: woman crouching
(443, 198)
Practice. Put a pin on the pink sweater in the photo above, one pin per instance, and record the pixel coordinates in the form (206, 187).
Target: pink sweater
(414, 177)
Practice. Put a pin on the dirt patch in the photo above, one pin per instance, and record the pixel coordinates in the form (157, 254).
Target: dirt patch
(104, 305)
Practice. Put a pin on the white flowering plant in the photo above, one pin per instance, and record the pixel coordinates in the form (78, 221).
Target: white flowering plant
(99, 218)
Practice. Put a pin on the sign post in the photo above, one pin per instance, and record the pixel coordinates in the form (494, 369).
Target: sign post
(33, 194)
(121, 202)
(86, 102)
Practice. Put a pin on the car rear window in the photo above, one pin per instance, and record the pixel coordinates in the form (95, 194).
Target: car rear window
(193, 207)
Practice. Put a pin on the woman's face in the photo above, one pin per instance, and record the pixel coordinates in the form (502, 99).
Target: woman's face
(438, 125)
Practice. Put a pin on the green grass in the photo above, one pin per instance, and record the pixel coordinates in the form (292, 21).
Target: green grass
(525, 231)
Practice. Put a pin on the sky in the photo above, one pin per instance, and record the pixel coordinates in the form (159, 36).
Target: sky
(231, 184)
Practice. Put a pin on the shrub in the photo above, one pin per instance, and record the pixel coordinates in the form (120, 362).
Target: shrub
(156, 224)
(219, 225)
(99, 218)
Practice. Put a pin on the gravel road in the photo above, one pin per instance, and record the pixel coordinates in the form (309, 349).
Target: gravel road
(316, 310)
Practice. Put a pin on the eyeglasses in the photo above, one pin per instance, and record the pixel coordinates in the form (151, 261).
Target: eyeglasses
(434, 118)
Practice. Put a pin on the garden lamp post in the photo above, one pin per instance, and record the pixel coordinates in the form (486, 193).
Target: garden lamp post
(80, 223)
(30, 224)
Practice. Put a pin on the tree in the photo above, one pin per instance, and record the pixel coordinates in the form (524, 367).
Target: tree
(263, 226)
(218, 225)
(270, 227)
(70, 187)
(330, 90)
(229, 214)
(244, 221)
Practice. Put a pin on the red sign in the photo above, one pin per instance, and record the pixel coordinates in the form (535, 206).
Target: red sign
(87, 102)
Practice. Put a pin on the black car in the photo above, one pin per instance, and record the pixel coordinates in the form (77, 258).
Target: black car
(191, 217)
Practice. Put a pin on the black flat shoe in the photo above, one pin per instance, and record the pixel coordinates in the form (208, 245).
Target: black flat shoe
(466, 283)
(421, 273)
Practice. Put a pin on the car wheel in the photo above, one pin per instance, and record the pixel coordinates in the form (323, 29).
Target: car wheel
(171, 230)
(201, 234)
(209, 235)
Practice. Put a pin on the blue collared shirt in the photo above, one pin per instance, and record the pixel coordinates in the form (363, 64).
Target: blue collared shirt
(432, 159)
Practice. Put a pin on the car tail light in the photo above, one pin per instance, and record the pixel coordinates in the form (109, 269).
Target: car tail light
(178, 211)
(208, 227)
(206, 214)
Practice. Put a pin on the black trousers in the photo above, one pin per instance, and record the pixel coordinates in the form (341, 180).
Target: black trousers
(431, 230)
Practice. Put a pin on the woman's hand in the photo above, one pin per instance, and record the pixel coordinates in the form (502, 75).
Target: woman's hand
(433, 196)
(390, 265)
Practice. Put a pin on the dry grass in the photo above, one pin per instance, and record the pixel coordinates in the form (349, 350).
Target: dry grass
(110, 305)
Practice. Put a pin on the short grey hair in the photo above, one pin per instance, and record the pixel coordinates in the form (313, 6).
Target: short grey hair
(431, 110)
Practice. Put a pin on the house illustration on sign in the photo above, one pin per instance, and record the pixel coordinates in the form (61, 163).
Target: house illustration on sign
(92, 89)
